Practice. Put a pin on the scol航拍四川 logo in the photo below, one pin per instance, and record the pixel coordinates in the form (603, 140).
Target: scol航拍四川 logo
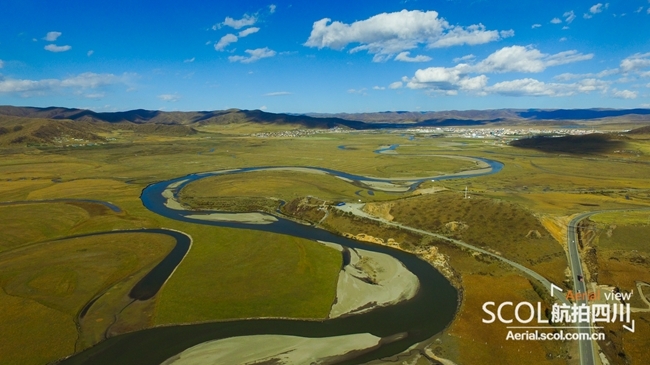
(598, 307)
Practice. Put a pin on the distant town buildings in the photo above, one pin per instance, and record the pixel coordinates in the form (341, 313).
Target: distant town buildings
(462, 132)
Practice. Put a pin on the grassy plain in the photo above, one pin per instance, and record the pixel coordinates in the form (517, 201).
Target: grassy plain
(623, 218)
(623, 258)
(470, 341)
(251, 274)
(55, 279)
(19, 227)
(33, 333)
(622, 249)
(263, 189)
(234, 273)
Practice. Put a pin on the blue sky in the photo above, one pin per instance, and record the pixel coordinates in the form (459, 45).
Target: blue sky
(335, 56)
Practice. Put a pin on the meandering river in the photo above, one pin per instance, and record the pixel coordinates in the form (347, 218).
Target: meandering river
(417, 319)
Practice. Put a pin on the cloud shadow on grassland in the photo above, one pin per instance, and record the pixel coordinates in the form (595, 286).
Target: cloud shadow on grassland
(579, 145)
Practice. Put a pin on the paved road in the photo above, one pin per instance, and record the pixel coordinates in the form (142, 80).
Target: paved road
(586, 346)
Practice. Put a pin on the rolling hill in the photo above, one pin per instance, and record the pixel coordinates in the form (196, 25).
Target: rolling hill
(21, 125)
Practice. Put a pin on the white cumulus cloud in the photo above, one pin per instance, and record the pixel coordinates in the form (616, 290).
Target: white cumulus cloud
(521, 87)
(565, 57)
(189, 60)
(56, 49)
(571, 76)
(27, 87)
(569, 16)
(527, 59)
(387, 34)
(556, 21)
(533, 87)
(635, 62)
(245, 21)
(248, 31)
(404, 57)
(535, 26)
(624, 94)
(447, 79)
(225, 41)
(52, 36)
(472, 35)
(466, 58)
(395, 85)
(272, 8)
(90, 80)
(462, 77)
(253, 55)
(596, 8)
(84, 81)
(2, 64)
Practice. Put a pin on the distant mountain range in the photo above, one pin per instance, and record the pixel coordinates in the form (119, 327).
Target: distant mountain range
(19, 125)
(141, 116)
(392, 119)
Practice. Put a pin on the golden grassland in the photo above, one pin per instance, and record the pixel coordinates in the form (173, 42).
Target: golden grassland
(502, 227)
(622, 259)
(563, 184)
(235, 273)
(623, 255)
(622, 218)
(470, 341)
(624, 347)
(479, 342)
(622, 249)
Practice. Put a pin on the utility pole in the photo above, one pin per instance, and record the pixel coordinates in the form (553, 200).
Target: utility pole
(466, 192)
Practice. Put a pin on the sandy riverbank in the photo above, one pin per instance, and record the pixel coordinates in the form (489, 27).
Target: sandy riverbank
(386, 186)
(251, 218)
(171, 202)
(371, 280)
(274, 349)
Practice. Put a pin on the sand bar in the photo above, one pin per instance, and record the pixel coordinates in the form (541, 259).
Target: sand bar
(371, 280)
(251, 218)
(385, 186)
(273, 349)
(171, 202)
